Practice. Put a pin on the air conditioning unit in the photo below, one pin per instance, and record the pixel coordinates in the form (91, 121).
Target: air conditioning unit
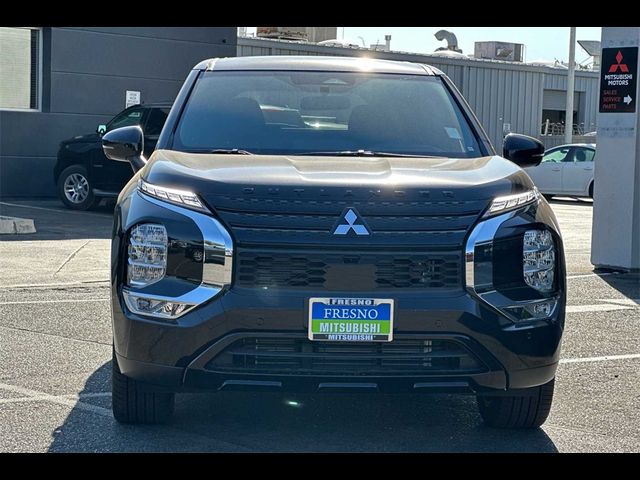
(506, 51)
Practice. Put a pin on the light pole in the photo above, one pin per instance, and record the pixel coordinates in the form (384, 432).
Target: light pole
(571, 80)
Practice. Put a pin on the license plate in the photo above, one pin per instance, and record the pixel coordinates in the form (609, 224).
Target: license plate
(351, 319)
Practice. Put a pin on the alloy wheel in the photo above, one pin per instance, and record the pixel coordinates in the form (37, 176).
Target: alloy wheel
(76, 188)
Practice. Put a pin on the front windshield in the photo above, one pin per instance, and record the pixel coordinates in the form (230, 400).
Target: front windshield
(275, 112)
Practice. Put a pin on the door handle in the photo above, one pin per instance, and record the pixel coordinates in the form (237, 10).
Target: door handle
(587, 168)
(555, 169)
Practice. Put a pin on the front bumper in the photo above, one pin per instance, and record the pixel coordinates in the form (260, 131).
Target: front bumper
(506, 356)
(181, 356)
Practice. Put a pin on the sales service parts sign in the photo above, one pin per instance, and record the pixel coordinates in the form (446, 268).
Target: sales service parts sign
(618, 79)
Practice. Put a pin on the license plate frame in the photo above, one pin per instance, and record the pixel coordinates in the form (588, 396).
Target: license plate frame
(365, 329)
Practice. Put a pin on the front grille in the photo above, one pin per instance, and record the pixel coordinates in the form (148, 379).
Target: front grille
(301, 222)
(346, 271)
(301, 356)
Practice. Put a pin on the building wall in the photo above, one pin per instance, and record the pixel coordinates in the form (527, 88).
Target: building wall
(85, 73)
(499, 92)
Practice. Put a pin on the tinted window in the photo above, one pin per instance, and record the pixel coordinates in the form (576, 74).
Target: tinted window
(155, 121)
(303, 112)
(584, 155)
(126, 119)
(560, 155)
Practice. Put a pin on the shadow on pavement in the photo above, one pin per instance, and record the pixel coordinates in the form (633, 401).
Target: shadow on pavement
(626, 283)
(232, 422)
(573, 201)
(53, 221)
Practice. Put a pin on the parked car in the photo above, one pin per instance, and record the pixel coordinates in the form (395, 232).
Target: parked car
(82, 173)
(372, 241)
(565, 170)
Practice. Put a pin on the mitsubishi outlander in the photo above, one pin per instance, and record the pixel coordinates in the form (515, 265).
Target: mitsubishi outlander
(319, 224)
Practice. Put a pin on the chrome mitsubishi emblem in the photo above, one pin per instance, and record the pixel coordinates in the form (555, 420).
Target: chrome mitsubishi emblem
(353, 222)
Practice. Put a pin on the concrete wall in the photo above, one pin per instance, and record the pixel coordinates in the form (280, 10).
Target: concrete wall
(86, 72)
(499, 92)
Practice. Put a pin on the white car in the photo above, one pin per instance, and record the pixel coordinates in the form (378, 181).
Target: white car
(565, 170)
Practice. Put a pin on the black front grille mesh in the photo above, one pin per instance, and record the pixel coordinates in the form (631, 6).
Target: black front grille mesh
(280, 271)
(356, 272)
(301, 356)
(418, 272)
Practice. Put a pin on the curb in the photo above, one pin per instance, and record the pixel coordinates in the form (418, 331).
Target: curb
(16, 226)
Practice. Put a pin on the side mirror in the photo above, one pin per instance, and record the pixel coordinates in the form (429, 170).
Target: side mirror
(125, 144)
(101, 129)
(522, 150)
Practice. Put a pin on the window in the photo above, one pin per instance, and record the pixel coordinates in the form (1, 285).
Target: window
(556, 156)
(126, 119)
(584, 155)
(19, 68)
(277, 112)
(155, 120)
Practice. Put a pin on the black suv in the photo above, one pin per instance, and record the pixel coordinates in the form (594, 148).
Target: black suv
(82, 173)
(311, 224)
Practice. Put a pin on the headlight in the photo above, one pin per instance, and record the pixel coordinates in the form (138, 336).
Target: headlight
(147, 251)
(179, 197)
(177, 265)
(538, 259)
(511, 202)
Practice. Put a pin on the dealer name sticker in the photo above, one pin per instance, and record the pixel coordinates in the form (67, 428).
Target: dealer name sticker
(351, 319)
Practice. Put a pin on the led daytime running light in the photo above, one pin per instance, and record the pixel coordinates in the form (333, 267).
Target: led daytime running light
(180, 197)
(510, 202)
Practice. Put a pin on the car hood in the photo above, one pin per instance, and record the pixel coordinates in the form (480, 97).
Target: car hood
(286, 176)
(295, 201)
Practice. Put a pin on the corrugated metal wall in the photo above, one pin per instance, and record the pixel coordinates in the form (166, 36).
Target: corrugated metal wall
(498, 92)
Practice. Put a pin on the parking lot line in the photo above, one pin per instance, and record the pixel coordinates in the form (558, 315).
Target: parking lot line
(633, 302)
(50, 285)
(77, 300)
(587, 275)
(597, 308)
(60, 400)
(65, 211)
(605, 358)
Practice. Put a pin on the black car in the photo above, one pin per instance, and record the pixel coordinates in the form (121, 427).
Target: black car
(82, 173)
(319, 224)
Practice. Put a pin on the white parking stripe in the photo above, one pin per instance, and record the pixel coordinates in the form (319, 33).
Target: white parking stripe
(62, 211)
(56, 301)
(633, 302)
(89, 395)
(60, 400)
(46, 285)
(606, 358)
(587, 275)
(596, 308)
(20, 400)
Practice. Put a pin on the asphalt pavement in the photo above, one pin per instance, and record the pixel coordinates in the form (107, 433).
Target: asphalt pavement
(55, 364)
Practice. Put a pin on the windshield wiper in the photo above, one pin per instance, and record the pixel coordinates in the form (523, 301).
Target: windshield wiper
(362, 153)
(229, 151)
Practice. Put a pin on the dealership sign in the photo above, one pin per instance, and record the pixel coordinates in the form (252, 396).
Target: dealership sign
(618, 78)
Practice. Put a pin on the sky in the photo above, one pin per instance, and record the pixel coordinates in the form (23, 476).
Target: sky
(542, 43)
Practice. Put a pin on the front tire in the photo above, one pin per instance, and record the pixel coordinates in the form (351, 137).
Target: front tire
(525, 411)
(133, 403)
(75, 189)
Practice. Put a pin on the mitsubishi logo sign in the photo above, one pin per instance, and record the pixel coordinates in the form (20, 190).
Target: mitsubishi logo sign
(351, 221)
(618, 65)
(618, 80)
